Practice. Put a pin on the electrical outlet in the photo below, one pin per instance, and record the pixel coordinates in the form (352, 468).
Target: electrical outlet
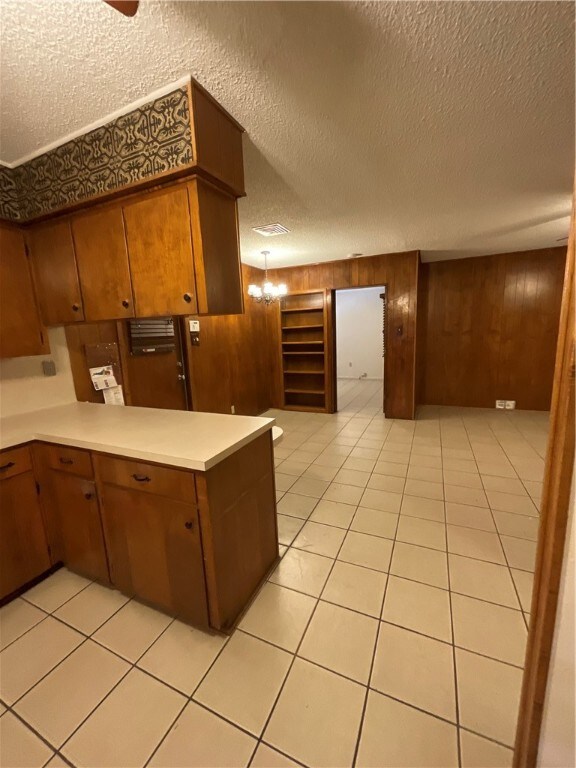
(501, 404)
(233, 409)
(510, 405)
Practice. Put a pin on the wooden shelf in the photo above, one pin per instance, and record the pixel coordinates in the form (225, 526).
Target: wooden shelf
(303, 353)
(300, 327)
(303, 309)
(304, 391)
(303, 373)
(301, 343)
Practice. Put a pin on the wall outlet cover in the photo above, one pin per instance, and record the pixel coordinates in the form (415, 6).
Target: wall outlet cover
(501, 404)
(233, 409)
(49, 367)
(194, 326)
(510, 405)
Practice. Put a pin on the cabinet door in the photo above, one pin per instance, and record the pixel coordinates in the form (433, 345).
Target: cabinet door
(55, 273)
(160, 251)
(23, 546)
(155, 551)
(73, 506)
(102, 259)
(20, 328)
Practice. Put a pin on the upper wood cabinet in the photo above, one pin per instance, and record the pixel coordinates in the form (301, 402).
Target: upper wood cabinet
(21, 332)
(103, 267)
(56, 276)
(160, 248)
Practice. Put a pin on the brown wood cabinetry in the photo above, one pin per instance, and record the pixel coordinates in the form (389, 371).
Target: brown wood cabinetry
(24, 553)
(103, 267)
(21, 332)
(56, 276)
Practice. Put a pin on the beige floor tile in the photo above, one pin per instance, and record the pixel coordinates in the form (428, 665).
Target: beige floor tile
(292, 467)
(420, 564)
(411, 739)
(302, 571)
(496, 468)
(524, 581)
(279, 495)
(16, 618)
(361, 465)
(345, 494)
(361, 452)
(341, 640)
(424, 533)
(417, 460)
(470, 517)
(125, 729)
(182, 655)
(391, 468)
(33, 655)
(375, 522)
(481, 753)
(460, 465)
(456, 453)
(520, 553)
(354, 587)
(486, 581)
(132, 630)
(320, 539)
(426, 509)
(534, 488)
(460, 495)
(317, 717)
(504, 485)
(466, 479)
(57, 705)
(90, 608)
(279, 615)
(266, 757)
(424, 489)
(428, 474)
(284, 482)
(288, 528)
(488, 696)
(368, 551)
(295, 505)
(316, 472)
(19, 747)
(352, 477)
(200, 739)
(386, 483)
(333, 513)
(415, 669)
(386, 501)
(520, 526)
(470, 542)
(491, 630)
(56, 762)
(309, 487)
(243, 683)
(510, 502)
(419, 607)
(329, 460)
(56, 590)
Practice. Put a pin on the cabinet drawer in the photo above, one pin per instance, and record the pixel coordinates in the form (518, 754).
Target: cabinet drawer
(14, 462)
(163, 481)
(72, 460)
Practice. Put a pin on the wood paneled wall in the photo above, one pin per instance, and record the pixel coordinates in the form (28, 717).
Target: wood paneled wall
(488, 328)
(399, 272)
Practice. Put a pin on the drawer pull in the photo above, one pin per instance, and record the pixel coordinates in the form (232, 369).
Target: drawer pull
(65, 461)
(141, 478)
(189, 525)
(88, 496)
(7, 466)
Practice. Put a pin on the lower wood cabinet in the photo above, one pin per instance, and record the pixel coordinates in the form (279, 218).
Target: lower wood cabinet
(24, 553)
(155, 550)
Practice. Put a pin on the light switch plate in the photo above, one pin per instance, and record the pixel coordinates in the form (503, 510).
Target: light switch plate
(194, 326)
(510, 405)
(501, 404)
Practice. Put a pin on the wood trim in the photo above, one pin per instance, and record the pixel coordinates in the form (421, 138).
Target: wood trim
(552, 535)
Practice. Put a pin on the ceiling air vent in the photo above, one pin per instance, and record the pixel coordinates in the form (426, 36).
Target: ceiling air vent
(269, 230)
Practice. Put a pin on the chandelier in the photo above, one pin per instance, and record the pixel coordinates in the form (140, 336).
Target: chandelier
(267, 292)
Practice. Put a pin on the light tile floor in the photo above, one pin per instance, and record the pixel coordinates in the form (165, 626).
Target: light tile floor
(391, 633)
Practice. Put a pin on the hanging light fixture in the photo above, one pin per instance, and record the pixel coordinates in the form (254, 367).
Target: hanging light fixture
(267, 292)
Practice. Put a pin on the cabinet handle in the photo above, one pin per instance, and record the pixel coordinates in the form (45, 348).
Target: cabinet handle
(187, 298)
(141, 478)
(75, 307)
(126, 303)
(65, 461)
(7, 466)
(88, 496)
(189, 525)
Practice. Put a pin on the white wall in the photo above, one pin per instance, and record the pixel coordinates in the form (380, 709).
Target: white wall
(359, 333)
(557, 744)
(23, 386)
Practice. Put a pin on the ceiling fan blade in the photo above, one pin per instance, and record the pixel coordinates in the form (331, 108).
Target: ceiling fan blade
(126, 7)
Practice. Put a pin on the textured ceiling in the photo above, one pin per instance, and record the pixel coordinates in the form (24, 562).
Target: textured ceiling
(371, 127)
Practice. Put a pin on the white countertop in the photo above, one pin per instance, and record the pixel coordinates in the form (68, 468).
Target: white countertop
(187, 439)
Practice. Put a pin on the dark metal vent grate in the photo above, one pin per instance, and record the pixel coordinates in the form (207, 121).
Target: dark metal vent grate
(153, 335)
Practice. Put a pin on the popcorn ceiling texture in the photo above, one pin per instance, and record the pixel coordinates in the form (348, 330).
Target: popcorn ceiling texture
(371, 127)
(147, 141)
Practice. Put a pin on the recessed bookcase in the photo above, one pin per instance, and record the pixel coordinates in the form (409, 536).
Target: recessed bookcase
(305, 351)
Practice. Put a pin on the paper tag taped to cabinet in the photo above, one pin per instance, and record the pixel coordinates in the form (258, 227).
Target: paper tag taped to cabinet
(114, 396)
(103, 377)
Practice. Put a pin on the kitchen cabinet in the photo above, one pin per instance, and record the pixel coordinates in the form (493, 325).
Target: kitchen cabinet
(24, 553)
(103, 268)
(56, 276)
(21, 332)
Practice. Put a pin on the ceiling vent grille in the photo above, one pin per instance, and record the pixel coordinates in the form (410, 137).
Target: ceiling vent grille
(269, 230)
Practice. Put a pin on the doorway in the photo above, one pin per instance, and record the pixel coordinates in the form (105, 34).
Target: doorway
(360, 347)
